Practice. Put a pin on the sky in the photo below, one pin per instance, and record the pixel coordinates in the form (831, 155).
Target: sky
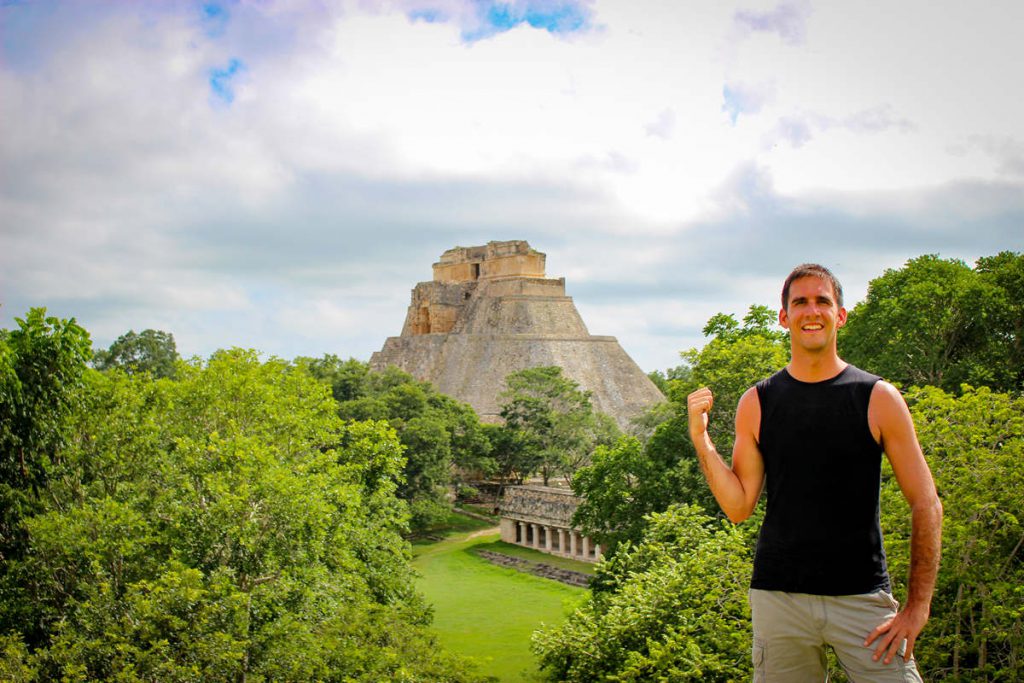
(280, 175)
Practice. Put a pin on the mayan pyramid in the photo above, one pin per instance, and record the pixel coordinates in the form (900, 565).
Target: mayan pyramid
(491, 311)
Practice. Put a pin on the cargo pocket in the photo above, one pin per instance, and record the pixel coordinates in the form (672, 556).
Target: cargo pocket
(757, 656)
(884, 598)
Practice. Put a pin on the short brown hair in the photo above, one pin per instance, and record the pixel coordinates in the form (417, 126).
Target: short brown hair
(812, 270)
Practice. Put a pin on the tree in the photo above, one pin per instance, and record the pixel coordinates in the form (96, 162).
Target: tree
(975, 448)
(41, 364)
(760, 320)
(660, 380)
(442, 437)
(933, 322)
(41, 368)
(151, 351)
(671, 608)
(627, 482)
(1006, 271)
(630, 480)
(732, 361)
(552, 419)
(348, 379)
(224, 525)
(634, 478)
(514, 459)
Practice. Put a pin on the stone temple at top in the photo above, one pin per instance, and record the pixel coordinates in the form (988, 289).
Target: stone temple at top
(491, 311)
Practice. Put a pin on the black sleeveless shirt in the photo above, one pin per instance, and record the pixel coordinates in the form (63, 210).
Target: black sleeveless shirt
(821, 533)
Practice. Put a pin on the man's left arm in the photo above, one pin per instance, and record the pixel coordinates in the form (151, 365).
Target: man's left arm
(893, 427)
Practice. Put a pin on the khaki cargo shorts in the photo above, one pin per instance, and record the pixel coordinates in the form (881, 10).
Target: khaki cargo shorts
(791, 631)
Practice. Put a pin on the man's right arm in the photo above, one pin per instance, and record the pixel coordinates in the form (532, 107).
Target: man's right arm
(736, 487)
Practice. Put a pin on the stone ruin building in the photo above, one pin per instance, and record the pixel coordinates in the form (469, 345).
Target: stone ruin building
(540, 517)
(490, 311)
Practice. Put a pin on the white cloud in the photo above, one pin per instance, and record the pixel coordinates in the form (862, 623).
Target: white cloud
(788, 20)
(294, 208)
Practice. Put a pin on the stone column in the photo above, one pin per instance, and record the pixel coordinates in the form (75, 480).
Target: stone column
(597, 551)
(586, 547)
(572, 543)
(547, 538)
(521, 540)
(536, 537)
(561, 541)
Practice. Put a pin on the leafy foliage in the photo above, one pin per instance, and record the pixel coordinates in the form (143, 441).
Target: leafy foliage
(975, 447)
(442, 437)
(151, 351)
(673, 607)
(348, 379)
(733, 360)
(1005, 270)
(938, 322)
(552, 424)
(629, 480)
(41, 366)
(224, 525)
(636, 477)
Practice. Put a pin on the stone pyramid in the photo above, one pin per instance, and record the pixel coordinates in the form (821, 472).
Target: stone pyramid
(491, 311)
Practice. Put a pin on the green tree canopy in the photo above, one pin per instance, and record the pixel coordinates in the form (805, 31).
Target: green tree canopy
(552, 420)
(671, 608)
(41, 366)
(224, 525)
(1005, 270)
(634, 478)
(514, 459)
(938, 322)
(151, 351)
(629, 480)
(975, 448)
(348, 379)
(442, 437)
(732, 361)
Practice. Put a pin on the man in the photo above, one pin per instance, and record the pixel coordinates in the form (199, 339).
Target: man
(815, 432)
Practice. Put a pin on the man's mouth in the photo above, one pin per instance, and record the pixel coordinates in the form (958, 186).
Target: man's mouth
(813, 327)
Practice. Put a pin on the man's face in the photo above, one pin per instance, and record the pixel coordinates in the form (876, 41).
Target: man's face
(812, 314)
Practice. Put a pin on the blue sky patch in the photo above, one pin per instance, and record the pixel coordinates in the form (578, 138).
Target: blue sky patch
(732, 104)
(742, 99)
(429, 15)
(220, 80)
(215, 18)
(554, 17)
(564, 19)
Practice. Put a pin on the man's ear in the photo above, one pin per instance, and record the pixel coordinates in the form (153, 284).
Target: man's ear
(841, 318)
(783, 318)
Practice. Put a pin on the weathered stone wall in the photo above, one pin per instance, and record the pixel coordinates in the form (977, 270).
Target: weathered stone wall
(493, 260)
(436, 307)
(539, 505)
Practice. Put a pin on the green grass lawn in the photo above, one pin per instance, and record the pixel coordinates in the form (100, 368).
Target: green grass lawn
(488, 612)
(453, 524)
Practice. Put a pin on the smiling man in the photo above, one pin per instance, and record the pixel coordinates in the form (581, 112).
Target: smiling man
(813, 434)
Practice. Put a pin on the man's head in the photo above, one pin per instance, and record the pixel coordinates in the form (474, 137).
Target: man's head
(812, 270)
